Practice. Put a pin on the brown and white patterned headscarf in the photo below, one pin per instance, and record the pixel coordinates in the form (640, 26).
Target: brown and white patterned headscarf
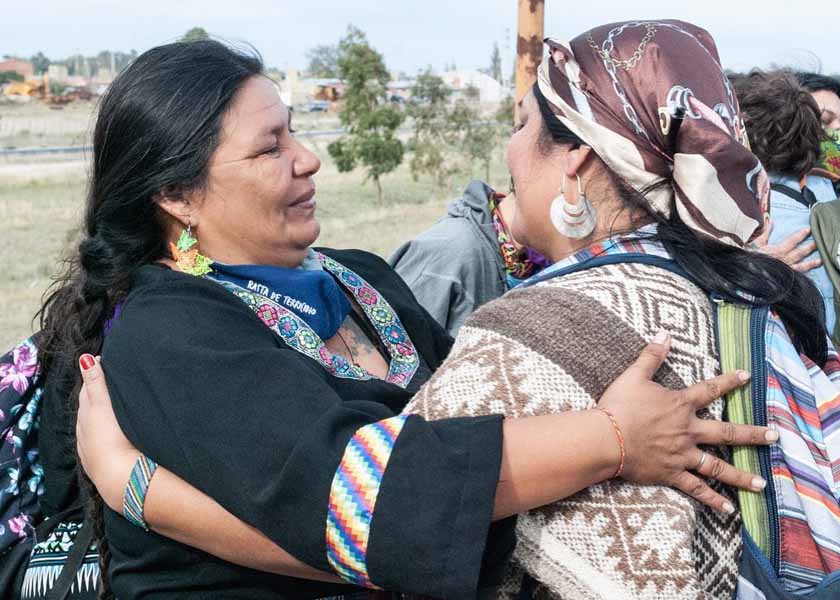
(652, 100)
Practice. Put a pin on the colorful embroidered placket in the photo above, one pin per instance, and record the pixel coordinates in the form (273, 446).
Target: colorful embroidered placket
(135, 491)
(404, 358)
(299, 336)
(353, 495)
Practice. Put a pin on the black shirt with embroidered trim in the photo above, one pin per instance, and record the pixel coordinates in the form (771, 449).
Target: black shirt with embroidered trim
(202, 386)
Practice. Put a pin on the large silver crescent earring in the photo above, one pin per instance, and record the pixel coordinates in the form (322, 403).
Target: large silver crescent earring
(577, 220)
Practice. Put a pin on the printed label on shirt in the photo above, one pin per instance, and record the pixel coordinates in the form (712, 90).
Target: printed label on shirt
(282, 299)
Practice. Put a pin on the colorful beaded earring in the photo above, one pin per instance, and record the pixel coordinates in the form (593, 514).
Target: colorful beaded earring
(186, 255)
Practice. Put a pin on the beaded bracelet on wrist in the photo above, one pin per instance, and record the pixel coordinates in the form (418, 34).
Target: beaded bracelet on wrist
(620, 439)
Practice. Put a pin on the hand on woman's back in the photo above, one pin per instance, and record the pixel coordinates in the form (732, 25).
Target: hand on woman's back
(661, 429)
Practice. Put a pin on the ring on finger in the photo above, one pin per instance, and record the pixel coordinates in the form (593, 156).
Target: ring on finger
(702, 461)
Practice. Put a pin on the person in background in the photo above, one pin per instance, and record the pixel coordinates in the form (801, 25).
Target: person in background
(467, 258)
(826, 92)
(825, 216)
(785, 133)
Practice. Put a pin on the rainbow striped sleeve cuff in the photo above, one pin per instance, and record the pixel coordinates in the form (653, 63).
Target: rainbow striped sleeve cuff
(353, 494)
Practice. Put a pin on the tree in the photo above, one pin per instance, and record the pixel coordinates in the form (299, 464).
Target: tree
(7, 76)
(504, 114)
(482, 137)
(40, 62)
(434, 129)
(323, 61)
(495, 70)
(56, 88)
(105, 59)
(451, 137)
(122, 59)
(77, 64)
(370, 122)
(196, 34)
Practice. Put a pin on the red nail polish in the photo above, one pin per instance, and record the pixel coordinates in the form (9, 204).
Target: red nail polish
(86, 361)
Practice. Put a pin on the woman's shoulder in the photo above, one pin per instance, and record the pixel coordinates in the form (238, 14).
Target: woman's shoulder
(361, 261)
(375, 270)
(535, 313)
(585, 303)
(168, 307)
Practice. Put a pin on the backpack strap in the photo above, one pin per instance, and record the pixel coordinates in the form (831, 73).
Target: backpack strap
(609, 259)
(805, 196)
(739, 331)
(627, 257)
(61, 588)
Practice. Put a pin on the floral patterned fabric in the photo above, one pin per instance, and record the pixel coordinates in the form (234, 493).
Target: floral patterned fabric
(21, 473)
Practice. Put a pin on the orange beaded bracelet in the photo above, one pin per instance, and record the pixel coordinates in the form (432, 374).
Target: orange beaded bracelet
(620, 438)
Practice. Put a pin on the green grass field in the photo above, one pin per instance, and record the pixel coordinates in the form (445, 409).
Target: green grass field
(40, 212)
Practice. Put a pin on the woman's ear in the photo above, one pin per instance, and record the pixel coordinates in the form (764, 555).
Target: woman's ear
(575, 159)
(176, 205)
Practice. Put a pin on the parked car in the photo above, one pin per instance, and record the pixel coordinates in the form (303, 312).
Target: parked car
(312, 106)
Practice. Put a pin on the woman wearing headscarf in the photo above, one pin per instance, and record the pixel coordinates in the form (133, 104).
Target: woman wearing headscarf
(632, 142)
(638, 128)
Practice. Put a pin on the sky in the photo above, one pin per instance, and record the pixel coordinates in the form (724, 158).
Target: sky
(413, 34)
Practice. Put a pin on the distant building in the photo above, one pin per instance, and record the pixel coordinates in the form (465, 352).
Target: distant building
(490, 91)
(16, 65)
(300, 92)
(76, 81)
(58, 73)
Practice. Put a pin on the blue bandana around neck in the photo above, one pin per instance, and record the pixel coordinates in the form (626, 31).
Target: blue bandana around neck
(308, 291)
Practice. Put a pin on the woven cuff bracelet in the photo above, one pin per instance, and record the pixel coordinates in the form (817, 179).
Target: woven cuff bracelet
(135, 491)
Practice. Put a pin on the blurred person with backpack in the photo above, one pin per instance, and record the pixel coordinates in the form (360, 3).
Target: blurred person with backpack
(825, 216)
(785, 132)
(826, 92)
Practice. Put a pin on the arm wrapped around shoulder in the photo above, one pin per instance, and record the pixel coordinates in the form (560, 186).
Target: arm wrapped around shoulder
(203, 388)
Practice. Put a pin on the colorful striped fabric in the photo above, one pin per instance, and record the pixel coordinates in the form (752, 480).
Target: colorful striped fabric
(611, 246)
(803, 404)
(135, 491)
(353, 494)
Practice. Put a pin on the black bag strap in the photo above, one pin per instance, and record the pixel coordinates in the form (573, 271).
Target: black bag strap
(626, 257)
(76, 512)
(607, 259)
(529, 586)
(805, 197)
(62, 585)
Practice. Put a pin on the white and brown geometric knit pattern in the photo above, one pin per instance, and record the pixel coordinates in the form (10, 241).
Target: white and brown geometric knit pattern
(556, 347)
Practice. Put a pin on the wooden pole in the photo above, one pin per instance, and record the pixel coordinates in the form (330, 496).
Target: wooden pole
(529, 47)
